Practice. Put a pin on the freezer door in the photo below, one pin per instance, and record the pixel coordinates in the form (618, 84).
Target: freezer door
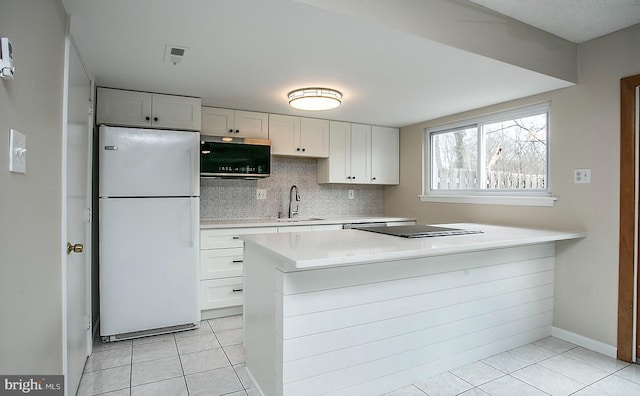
(148, 263)
(148, 163)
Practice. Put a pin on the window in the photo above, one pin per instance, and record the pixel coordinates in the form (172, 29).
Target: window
(503, 154)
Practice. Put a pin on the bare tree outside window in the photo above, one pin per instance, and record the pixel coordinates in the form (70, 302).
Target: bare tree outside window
(504, 155)
(518, 149)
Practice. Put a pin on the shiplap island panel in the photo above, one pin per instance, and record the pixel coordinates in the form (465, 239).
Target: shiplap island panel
(352, 312)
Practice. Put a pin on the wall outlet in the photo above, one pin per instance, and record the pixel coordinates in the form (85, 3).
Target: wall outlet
(582, 175)
(261, 193)
(350, 194)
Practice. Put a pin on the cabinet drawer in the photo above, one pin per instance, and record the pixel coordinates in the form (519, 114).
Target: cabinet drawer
(221, 263)
(221, 293)
(229, 237)
(220, 242)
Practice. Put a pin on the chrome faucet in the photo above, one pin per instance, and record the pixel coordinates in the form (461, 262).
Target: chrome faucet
(296, 197)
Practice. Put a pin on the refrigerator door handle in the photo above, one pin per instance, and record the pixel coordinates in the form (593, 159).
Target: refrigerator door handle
(193, 220)
(194, 167)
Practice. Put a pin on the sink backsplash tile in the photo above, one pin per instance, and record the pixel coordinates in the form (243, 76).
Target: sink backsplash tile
(228, 198)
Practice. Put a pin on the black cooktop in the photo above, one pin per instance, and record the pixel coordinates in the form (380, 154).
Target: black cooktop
(418, 231)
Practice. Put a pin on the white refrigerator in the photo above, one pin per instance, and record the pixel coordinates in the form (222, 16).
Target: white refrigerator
(149, 187)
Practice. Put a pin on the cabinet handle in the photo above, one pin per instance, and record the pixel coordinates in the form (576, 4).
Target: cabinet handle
(155, 119)
(237, 261)
(304, 149)
(237, 131)
(373, 178)
(147, 118)
(298, 149)
(230, 130)
(236, 237)
(236, 290)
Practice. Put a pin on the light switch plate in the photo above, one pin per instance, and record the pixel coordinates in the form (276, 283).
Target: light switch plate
(17, 152)
(261, 193)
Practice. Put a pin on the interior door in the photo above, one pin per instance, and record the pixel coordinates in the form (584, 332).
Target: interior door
(636, 111)
(78, 217)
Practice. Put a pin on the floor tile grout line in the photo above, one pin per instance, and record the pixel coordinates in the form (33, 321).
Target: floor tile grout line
(593, 366)
(526, 383)
(184, 376)
(227, 356)
(131, 371)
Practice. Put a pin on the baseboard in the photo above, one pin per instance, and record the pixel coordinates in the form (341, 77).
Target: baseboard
(221, 312)
(585, 342)
(253, 381)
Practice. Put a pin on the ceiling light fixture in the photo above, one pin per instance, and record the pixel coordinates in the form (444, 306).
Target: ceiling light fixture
(315, 99)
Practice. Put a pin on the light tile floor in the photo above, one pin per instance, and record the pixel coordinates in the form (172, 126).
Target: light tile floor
(210, 361)
(205, 361)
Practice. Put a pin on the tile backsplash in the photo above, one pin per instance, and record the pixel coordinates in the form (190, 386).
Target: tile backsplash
(230, 199)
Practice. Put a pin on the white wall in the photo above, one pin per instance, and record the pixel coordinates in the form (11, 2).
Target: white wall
(30, 214)
(585, 130)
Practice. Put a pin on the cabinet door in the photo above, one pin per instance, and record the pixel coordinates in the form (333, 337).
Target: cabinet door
(314, 137)
(128, 108)
(336, 169)
(385, 155)
(176, 112)
(284, 132)
(220, 263)
(360, 155)
(250, 124)
(221, 293)
(217, 122)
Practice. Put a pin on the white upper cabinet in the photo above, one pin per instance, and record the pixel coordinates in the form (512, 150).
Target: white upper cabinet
(349, 154)
(385, 155)
(217, 122)
(361, 154)
(337, 168)
(147, 110)
(284, 132)
(298, 136)
(175, 112)
(314, 137)
(223, 122)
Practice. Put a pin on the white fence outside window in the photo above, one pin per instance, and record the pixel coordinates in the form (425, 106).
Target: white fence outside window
(457, 179)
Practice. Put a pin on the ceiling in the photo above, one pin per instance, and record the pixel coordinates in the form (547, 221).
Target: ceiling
(248, 54)
(574, 20)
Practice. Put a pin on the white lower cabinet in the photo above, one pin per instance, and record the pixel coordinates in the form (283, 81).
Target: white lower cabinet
(221, 293)
(221, 260)
(221, 263)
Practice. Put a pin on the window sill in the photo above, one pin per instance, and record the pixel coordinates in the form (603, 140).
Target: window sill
(490, 200)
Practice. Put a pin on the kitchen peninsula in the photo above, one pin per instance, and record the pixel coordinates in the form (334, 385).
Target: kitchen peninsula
(352, 312)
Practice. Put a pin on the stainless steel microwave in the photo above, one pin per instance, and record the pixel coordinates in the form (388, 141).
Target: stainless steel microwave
(233, 157)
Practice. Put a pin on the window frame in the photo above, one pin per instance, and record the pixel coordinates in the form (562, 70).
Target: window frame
(528, 197)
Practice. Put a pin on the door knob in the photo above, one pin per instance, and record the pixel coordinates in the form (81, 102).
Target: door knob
(77, 248)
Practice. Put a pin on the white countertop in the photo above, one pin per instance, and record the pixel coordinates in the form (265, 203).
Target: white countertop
(318, 249)
(311, 220)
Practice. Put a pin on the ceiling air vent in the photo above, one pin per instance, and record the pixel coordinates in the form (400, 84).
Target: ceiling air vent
(173, 54)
